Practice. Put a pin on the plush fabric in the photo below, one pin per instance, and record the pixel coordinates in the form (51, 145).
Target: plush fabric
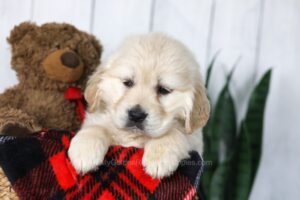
(38, 168)
(48, 59)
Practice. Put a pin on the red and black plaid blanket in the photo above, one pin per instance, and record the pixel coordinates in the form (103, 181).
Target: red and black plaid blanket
(38, 168)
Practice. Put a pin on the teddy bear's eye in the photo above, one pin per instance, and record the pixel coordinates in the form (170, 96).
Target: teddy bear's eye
(128, 83)
(161, 90)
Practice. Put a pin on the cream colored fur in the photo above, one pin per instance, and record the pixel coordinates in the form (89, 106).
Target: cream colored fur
(173, 125)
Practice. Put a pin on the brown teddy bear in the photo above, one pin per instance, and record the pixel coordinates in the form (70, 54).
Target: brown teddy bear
(49, 60)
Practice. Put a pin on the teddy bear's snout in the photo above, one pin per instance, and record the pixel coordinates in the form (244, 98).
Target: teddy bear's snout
(63, 65)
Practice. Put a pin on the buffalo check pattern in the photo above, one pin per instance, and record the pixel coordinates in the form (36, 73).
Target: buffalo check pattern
(38, 168)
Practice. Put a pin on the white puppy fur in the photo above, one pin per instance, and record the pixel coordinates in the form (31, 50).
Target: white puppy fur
(157, 76)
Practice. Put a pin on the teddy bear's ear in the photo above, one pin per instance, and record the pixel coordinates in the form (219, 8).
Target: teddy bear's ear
(20, 31)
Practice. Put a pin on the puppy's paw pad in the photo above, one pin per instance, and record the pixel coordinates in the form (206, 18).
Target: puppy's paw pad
(86, 153)
(159, 164)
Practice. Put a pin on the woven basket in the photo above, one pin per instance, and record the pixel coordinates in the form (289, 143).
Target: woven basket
(6, 190)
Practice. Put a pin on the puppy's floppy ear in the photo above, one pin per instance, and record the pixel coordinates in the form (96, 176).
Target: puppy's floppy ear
(92, 92)
(199, 114)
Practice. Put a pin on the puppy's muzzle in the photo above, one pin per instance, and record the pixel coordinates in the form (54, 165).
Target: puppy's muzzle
(136, 117)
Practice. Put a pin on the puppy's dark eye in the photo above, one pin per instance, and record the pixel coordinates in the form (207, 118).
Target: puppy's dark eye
(128, 83)
(163, 90)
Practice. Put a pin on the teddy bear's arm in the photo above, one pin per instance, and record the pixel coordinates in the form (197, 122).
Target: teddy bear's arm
(16, 122)
(13, 120)
(12, 98)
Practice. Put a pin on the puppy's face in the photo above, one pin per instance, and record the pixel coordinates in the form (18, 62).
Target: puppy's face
(150, 85)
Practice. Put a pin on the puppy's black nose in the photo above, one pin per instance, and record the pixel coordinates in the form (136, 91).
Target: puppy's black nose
(137, 114)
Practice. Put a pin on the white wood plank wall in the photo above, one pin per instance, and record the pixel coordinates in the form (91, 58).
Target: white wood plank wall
(263, 33)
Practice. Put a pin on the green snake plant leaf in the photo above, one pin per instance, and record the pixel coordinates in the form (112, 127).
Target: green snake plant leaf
(241, 167)
(209, 69)
(219, 135)
(255, 117)
(208, 156)
(219, 181)
(206, 178)
(232, 178)
(222, 143)
(222, 132)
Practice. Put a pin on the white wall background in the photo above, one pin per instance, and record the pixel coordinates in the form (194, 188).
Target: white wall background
(264, 33)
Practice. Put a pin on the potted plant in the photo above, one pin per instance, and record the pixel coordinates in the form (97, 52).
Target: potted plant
(233, 154)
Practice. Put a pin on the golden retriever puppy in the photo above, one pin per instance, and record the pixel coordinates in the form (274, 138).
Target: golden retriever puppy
(148, 94)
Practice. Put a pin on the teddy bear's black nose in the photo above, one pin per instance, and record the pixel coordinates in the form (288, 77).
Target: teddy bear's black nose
(70, 59)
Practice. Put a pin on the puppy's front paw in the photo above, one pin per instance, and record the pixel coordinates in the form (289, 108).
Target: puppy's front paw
(86, 153)
(160, 162)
